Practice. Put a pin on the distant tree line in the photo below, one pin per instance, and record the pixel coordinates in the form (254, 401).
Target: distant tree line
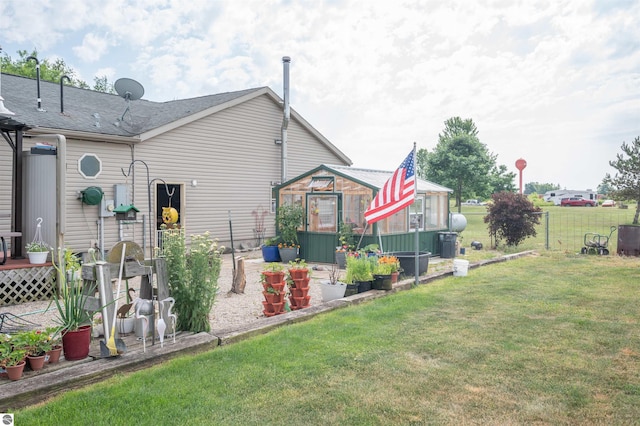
(50, 71)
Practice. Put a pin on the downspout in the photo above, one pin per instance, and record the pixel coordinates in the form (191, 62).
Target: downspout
(64, 77)
(38, 81)
(285, 121)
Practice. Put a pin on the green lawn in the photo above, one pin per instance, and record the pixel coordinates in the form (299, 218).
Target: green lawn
(545, 339)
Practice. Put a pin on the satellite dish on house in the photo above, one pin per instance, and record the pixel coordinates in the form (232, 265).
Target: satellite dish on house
(129, 89)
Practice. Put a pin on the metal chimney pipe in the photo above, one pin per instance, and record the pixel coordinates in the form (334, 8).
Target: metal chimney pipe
(64, 77)
(285, 121)
(38, 81)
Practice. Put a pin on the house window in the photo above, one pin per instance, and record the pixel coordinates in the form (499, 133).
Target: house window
(436, 211)
(354, 207)
(416, 215)
(89, 166)
(321, 183)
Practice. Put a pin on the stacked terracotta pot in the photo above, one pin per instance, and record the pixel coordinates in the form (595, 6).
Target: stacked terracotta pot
(273, 284)
(299, 288)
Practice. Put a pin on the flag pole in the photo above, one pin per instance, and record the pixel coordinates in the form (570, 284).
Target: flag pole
(417, 231)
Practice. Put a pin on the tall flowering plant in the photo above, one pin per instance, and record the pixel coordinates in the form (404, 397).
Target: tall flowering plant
(193, 277)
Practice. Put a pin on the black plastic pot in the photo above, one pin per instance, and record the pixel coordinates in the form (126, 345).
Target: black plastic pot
(363, 286)
(407, 261)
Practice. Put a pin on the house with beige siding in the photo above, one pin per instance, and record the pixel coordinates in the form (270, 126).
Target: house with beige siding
(215, 159)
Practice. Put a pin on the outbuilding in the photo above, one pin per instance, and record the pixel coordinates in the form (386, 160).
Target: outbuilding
(336, 194)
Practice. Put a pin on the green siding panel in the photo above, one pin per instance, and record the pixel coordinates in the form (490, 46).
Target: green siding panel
(320, 247)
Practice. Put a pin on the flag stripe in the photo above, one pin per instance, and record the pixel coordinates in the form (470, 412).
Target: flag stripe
(397, 193)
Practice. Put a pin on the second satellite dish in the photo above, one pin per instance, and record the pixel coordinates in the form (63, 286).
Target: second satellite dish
(129, 89)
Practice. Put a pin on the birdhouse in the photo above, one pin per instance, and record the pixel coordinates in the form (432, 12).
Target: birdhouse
(126, 212)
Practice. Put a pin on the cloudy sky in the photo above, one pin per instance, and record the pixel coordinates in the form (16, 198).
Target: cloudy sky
(554, 82)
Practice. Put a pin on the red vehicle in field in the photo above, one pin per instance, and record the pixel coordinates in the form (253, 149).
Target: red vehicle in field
(577, 202)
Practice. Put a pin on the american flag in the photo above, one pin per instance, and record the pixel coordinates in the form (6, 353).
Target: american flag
(396, 194)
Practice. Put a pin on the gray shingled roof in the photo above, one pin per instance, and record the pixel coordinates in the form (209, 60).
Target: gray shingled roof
(83, 108)
(377, 178)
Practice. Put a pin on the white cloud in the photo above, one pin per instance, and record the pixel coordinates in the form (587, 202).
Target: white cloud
(541, 79)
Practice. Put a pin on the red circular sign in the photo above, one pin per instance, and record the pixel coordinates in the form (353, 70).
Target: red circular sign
(521, 164)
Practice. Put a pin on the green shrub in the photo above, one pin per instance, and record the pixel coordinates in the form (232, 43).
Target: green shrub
(512, 217)
(193, 277)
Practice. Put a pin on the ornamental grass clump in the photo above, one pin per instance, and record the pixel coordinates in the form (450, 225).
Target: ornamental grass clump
(193, 277)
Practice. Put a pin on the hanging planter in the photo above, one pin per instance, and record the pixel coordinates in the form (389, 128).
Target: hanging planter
(37, 257)
(38, 250)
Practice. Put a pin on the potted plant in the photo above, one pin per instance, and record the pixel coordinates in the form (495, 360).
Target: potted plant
(36, 344)
(382, 274)
(12, 357)
(74, 320)
(72, 265)
(37, 252)
(55, 338)
(346, 239)
(333, 288)
(359, 267)
(289, 219)
(298, 268)
(394, 262)
(298, 278)
(273, 283)
(270, 251)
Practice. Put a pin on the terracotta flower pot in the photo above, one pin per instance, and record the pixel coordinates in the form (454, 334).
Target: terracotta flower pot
(297, 274)
(301, 283)
(273, 277)
(53, 356)
(14, 372)
(36, 362)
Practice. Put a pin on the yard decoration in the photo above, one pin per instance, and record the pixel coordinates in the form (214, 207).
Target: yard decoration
(169, 215)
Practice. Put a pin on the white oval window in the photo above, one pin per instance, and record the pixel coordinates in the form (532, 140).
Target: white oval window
(89, 166)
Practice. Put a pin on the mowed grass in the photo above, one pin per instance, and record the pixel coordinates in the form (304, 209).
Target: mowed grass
(566, 227)
(544, 339)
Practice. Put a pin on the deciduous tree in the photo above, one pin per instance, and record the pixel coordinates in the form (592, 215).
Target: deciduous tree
(512, 218)
(461, 162)
(50, 71)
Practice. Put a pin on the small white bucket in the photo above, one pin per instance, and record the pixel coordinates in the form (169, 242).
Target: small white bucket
(460, 267)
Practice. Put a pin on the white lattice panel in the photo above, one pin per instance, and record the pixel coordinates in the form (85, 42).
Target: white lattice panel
(26, 285)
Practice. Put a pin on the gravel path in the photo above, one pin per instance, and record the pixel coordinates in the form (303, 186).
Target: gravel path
(229, 311)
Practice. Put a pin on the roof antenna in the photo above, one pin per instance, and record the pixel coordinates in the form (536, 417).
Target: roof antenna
(3, 109)
(130, 90)
(29, 58)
